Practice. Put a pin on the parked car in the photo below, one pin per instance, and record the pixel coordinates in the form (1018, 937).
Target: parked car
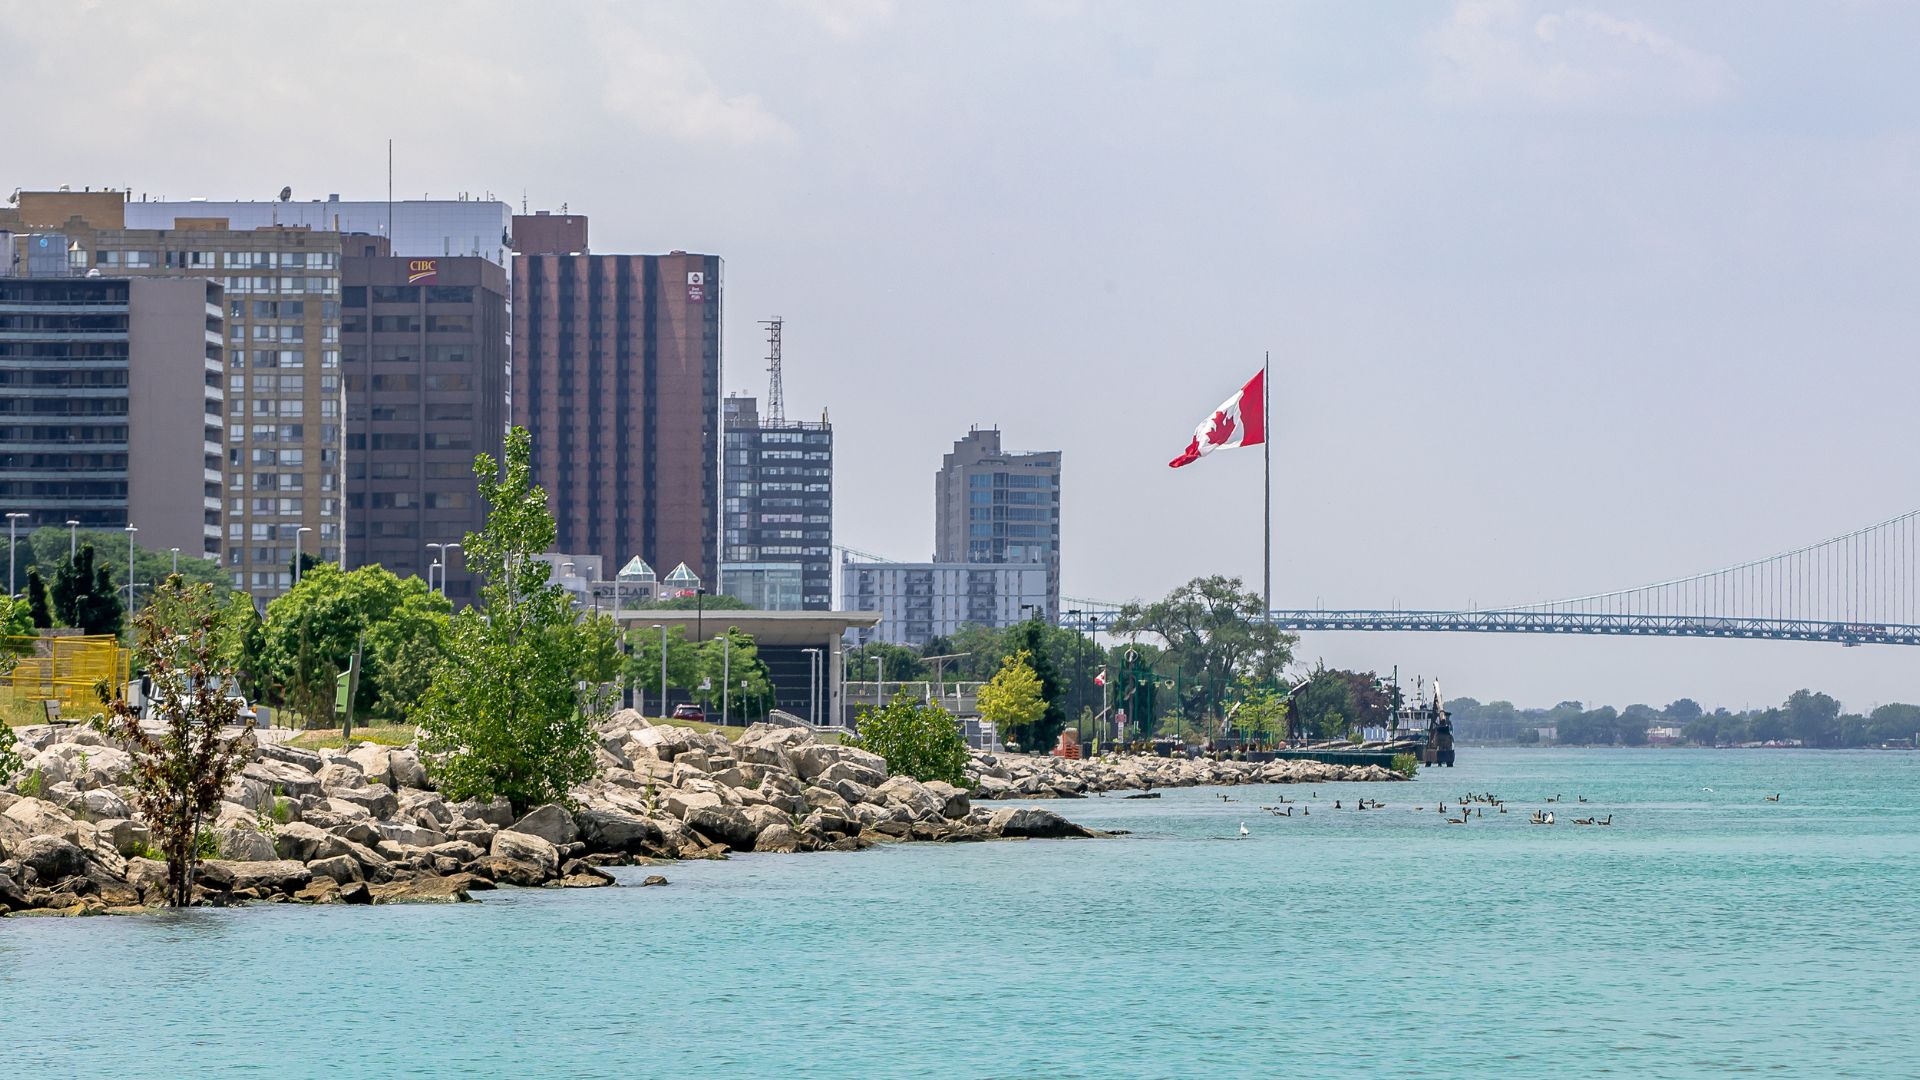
(689, 712)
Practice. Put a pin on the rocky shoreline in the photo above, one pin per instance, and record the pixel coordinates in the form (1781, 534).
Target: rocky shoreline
(1025, 776)
(365, 825)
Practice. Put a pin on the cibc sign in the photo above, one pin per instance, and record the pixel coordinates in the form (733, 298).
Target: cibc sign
(423, 271)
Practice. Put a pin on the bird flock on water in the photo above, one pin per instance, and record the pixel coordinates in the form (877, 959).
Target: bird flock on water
(1465, 808)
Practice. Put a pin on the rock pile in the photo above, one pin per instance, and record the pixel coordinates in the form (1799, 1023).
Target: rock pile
(366, 826)
(1029, 776)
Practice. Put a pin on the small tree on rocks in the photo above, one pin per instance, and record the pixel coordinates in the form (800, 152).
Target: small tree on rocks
(917, 739)
(37, 599)
(510, 711)
(180, 771)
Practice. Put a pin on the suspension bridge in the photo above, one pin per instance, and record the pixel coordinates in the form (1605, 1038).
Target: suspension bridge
(1861, 588)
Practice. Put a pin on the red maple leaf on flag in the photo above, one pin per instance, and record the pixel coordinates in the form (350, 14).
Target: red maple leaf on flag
(1221, 430)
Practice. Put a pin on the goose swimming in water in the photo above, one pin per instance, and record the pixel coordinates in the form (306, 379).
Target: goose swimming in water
(1775, 797)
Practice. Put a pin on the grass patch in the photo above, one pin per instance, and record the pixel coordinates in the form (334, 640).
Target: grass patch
(329, 738)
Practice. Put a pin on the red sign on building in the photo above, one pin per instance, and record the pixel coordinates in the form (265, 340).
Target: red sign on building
(696, 286)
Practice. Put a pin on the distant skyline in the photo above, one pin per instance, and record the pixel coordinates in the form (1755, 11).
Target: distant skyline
(1561, 297)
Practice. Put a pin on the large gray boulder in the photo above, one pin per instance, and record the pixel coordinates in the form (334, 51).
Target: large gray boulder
(497, 812)
(303, 842)
(276, 876)
(406, 769)
(905, 791)
(50, 859)
(610, 832)
(682, 803)
(374, 760)
(726, 825)
(409, 834)
(1031, 821)
(954, 804)
(526, 847)
(244, 845)
(377, 799)
(305, 760)
(859, 772)
(282, 777)
(549, 822)
(340, 868)
(33, 817)
(812, 760)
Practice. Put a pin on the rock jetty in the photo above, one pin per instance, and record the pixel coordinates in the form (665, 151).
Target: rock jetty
(365, 825)
(1029, 776)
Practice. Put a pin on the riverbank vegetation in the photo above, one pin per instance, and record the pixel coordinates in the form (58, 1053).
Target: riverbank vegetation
(1806, 718)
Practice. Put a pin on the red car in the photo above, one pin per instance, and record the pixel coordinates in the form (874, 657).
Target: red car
(689, 712)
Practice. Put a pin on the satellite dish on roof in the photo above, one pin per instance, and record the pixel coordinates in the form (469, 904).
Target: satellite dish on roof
(286, 194)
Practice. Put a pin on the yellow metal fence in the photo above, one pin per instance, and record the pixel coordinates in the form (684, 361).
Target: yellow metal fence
(63, 669)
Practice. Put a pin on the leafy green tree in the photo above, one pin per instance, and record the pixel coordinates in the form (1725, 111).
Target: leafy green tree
(311, 630)
(241, 640)
(511, 710)
(733, 658)
(985, 649)
(46, 548)
(84, 596)
(403, 646)
(1813, 718)
(1015, 701)
(901, 664)
(37, 603)
(181, 769)
(643, 666)
(1030, 639)
(10, 763)
(1684, 710)
(1218, 634)
(917, 739)
(1262, 713)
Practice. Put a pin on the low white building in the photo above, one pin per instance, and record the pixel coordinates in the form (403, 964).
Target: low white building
(921, 601)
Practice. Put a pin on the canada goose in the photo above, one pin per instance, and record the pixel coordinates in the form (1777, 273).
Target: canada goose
(1542, 817)
(1775, 797)
(1456, 821)
(1583, 821)
(1336, 804)
(1608, 820)
(1503, 808)
(1582, 798)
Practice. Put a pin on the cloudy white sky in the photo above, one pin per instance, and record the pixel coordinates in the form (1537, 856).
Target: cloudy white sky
(1560, 298)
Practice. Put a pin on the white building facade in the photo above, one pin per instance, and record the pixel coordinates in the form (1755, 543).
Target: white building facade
(921, 601)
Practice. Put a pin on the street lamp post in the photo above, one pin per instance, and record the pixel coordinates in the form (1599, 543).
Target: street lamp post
(726, 674)
(176, 560)
(73, 539)
(130, 531)
(299, 548)
(699, 613)
(444, 554)
(12, 547)
(431, 567)
(813, 686)
(662, 627)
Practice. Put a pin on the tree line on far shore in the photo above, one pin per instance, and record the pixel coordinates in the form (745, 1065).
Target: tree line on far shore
(1806, 717)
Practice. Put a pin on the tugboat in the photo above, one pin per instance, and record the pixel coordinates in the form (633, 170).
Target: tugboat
(1424, 728)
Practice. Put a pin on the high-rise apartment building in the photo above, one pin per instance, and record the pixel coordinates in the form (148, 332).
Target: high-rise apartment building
(110, 404)
(616, 375)
(918, 602)
(777, 518)
(997, 506)
(283, 467)
(424, 355)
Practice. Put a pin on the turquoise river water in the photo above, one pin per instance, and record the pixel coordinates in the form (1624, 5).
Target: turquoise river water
(1706, 933)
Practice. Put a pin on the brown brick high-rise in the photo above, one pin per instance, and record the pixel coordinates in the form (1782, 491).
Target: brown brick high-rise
(616, 375)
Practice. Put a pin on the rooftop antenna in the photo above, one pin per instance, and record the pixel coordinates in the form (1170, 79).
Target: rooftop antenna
(776, 397)
(389, 191)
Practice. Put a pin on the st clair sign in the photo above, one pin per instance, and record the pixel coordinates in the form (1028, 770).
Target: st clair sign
(423, 271)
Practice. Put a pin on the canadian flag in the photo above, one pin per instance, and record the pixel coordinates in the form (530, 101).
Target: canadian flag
(1241, 420)
(1101, 678)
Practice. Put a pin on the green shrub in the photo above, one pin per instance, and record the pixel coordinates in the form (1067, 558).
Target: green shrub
(918, 740)
(10, 762)
(35, 785)
(1406, 765)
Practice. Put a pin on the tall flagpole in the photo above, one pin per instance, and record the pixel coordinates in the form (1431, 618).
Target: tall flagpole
(1266, 447)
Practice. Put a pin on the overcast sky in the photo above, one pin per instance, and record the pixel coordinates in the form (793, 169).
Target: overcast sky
(1560, 298)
